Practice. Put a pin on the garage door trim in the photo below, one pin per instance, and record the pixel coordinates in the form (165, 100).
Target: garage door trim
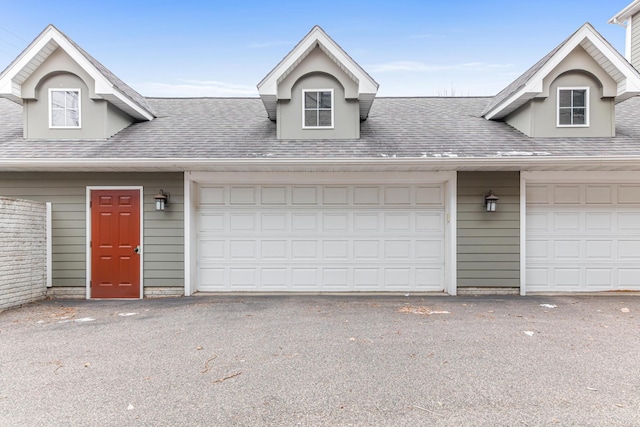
(195, 179)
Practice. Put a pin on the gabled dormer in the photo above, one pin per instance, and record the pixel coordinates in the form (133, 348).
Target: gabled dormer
(571, 92)
(67, 94)
(318, 91)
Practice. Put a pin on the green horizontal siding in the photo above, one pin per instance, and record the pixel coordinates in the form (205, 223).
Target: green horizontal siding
(163, 231)
(488, 243)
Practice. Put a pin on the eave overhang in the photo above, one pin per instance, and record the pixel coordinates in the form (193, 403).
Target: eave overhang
(268, 87)
(621, 17)
(12, 78)
(618, 68)
(515, 163)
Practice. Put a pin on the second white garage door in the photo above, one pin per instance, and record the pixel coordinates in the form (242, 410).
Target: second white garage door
(320, 238)
(583, 237)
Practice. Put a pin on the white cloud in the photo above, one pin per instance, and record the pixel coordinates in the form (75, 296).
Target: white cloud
(195, 88)
(394, 66)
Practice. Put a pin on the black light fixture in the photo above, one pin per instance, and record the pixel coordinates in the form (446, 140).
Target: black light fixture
(162, 200)
(490, 201)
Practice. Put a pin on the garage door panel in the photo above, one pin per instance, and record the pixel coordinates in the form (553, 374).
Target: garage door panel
(538, 222)
(429, 250)
(567, 221)
(335, 222)
(274, 249)
(243, 249)
(335, 249)
(429, 279)
(629, 250)
(304, 195)
(567, 250)
(599, 250)
(538, 249)
(586, 237)
(273, 222)
(212, 249)
(567, 278)
(429, 222)
(366, 195)
(366, 278)
(366, 250)
(397, 195)
(429, 195)
(242, 195)
(274, 278)
(335, 195)
(209, 221)
(242, 222)
(599, 222)
(212, 279)
(599, 278)
(272, 195)
(628, 194)
(366, 221)
(243, 278)
(629, 278)
(304, 222)
(305, 278)
(599, 194)
(629, 222)
(397, 222)
(304, 249)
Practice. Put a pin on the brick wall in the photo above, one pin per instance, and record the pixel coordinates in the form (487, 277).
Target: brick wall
(23, 264)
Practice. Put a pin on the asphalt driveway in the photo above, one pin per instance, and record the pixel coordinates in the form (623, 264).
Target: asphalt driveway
(320, 360)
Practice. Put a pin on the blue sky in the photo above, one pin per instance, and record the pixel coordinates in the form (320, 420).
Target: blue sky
(224, 48)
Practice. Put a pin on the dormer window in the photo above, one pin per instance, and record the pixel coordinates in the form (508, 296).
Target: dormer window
(573, 106)
(317, 109)
(64, 108)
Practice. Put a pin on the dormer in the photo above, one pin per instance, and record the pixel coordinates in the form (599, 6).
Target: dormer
(318, 91)
(571, 92)
(67, 94)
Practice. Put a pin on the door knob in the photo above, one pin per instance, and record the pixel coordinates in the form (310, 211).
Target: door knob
(137, 249)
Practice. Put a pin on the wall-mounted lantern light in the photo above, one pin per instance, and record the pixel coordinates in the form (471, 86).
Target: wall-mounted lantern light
(490, 201)
(162, 200)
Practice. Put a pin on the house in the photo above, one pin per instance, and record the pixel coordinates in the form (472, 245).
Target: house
(319, 185)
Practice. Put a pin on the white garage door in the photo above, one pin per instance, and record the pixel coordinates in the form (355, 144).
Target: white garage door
(583, 237)
(331, 238)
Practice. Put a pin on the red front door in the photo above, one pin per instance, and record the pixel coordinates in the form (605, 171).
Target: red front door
(115, 240)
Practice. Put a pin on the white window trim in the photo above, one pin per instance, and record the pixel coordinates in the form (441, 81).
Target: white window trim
(304, 92)
(51, 90)
(587, 107)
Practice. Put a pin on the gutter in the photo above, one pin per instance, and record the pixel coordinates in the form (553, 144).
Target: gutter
(330, 164)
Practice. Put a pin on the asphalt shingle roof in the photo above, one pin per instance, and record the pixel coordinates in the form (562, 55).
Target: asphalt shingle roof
(238, 128)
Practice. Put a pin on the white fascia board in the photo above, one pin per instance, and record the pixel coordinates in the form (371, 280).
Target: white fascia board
(7, 86)
(620, 17)
(103, 87)
(534, 86)
(372, 164)
(269, 85)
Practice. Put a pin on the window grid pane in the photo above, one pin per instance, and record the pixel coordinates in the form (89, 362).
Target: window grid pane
(318, 109)
(572, 107)
(65, 108)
